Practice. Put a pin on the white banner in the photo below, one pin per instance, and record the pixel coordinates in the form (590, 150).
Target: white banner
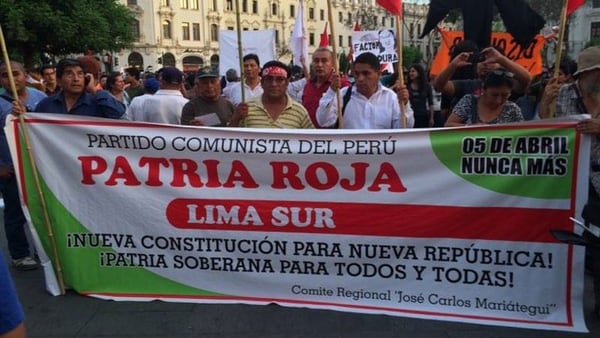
(450, 224)
(261, 43)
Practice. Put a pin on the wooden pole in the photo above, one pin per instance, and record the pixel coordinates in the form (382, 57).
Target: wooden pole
(57, 265)
(240, 50)
(335, 64)
(559, 47)
(400, 81)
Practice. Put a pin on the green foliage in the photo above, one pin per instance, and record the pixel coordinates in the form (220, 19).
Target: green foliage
(595, 41)
(411, 55)
(59, 27)
(344, 65)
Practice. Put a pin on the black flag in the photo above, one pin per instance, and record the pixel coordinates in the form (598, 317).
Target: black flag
(522, 22)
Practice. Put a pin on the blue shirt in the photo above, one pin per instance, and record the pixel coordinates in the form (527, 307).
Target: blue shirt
(11, 313)
(34, 96)
(102, 104)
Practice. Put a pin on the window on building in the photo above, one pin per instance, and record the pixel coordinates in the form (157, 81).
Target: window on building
(132, 2)
(277, 36)
(255, 7)
(183, 3)
(244, 6)
(274, 9)
(311, 13)
(349, 17)
(311, 39)
(292, 11)
(230, 28)
(164, 3)
(595, 29)
(349, 40)
(322, 14)
(383, 21)
(166, 29)
(185, 30)
(392, 23)
(341, 40)
(194, 4)
(340, 16)
(375, 19)
(135, 28)
(596, 4)
(214, 32)
(229, 5)
(196, 31)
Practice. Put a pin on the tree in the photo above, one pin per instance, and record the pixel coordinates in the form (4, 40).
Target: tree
(34, 27)
(344, 65)
(411, 55)
(549, 10)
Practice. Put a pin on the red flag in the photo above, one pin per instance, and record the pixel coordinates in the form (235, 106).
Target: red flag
(572, 5)
(392, 6)
(357, 27)
(324, 37)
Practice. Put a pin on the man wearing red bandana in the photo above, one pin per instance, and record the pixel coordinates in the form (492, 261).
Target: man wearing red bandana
(274, 108)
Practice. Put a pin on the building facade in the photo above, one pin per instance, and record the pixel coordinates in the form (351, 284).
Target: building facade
(184, 33)
(584, 26)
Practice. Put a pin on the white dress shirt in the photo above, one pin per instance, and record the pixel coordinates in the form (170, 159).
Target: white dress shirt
(380, 111)
(234, 94)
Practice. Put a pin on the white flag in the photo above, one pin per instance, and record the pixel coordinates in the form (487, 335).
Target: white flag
(299, 44)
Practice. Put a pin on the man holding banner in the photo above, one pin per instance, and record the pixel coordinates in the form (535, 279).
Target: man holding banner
(367, 104)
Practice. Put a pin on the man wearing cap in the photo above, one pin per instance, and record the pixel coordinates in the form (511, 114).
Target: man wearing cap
(208, 108)
(274, 108)
(583, 97)
(135, 111)
(166, 104)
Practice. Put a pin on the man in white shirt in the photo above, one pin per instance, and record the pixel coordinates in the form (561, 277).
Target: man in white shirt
(370, 104)
(166, 104)
(135, 110)
(252, 86)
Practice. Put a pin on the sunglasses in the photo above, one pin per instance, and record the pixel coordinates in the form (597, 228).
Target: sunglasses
(501, 73)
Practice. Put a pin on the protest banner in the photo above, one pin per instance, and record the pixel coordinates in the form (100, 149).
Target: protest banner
(450, 224)
(381, 43)
(530, 58)
(261, 43)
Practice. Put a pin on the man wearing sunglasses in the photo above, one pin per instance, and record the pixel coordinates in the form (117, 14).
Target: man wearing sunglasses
(487, 60)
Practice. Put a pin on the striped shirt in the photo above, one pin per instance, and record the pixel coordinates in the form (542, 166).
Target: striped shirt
(293, 116)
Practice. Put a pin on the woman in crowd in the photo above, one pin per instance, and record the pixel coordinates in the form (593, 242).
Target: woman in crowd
(491, 107)
(421, 96)
(116, 86)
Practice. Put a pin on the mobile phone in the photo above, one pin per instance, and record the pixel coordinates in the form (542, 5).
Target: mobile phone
(476, 57)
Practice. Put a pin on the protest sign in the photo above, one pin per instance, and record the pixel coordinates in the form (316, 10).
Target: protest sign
(451, 224)
(530, 58)
(381, 43)
(261, 43)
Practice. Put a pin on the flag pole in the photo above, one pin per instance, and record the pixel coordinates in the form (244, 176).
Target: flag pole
(559, 47)
(240, 51)
(400, 81)
(335, 64)
(57, 264)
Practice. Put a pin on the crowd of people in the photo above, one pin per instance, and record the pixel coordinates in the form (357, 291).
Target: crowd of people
(478, 87)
